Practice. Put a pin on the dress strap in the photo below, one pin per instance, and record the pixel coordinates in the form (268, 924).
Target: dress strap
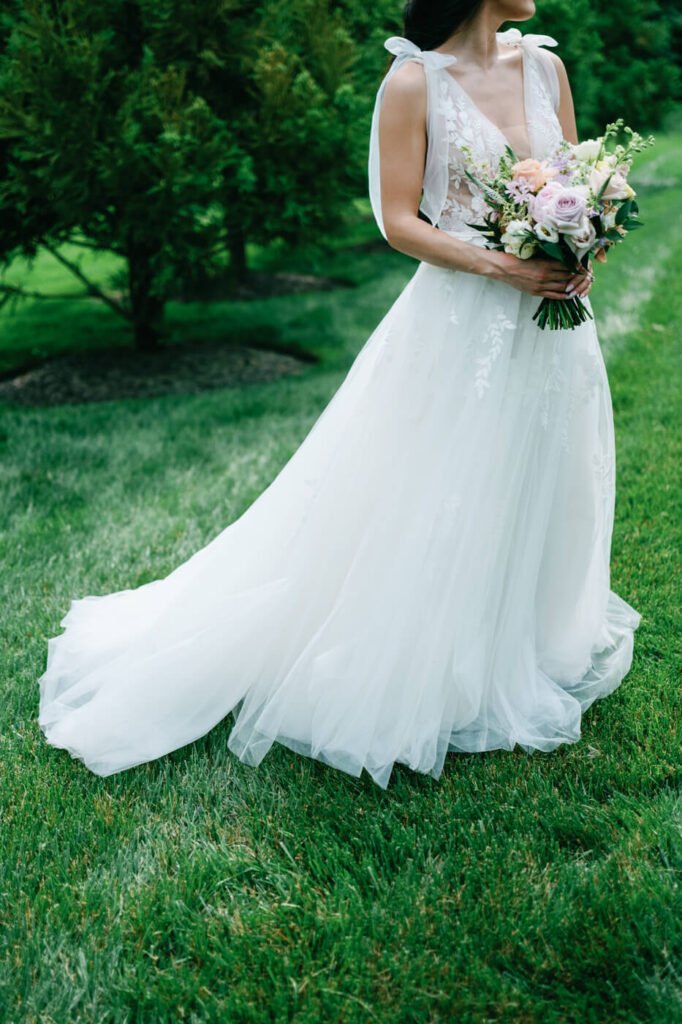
(531, 43)
(436, 168)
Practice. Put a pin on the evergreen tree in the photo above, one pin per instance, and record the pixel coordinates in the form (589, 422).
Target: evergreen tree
(174, 131)
(170, 130)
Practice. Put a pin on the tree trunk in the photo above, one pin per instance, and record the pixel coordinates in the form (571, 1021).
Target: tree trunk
(146, 331)
(147, 308)
(237, 246)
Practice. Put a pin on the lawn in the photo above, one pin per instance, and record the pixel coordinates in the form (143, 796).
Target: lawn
(517, 889)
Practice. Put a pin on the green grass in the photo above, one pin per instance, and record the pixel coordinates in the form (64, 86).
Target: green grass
(517, 889)
(331, 324)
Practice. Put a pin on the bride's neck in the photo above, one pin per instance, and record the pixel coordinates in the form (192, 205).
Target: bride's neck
(475, 44)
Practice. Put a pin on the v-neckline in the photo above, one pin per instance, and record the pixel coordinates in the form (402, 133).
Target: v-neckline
(524, 76)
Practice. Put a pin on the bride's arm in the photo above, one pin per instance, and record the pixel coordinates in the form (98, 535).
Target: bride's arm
(566, 112)
(402, 148)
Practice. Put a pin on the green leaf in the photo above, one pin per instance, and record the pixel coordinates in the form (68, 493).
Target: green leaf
(602, 190)
(483, 228)
(552, 249)
(623, 211)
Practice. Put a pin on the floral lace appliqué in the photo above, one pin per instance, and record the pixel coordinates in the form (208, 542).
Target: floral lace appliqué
(493, 340)
(466, 127)
(554, 381)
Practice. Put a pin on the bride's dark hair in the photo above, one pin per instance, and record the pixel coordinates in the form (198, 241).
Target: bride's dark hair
(428, 23)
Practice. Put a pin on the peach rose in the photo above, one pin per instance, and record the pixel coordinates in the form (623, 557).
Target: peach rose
(536, 173)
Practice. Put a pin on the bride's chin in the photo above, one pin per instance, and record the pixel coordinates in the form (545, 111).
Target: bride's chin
(516, 10)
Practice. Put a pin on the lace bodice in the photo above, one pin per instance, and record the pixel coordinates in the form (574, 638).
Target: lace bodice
(467, 125)
(450, 200)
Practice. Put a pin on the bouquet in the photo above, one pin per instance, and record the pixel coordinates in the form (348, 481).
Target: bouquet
(574, 205)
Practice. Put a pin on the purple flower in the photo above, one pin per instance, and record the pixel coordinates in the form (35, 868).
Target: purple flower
(519, 189)
(560, 160)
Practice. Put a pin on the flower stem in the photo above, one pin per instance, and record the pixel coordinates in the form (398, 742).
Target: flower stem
(561, 314)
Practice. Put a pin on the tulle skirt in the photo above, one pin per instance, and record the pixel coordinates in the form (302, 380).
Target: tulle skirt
(428, 572)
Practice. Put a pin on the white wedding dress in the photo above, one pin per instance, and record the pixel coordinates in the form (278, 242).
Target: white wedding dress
(430, 569)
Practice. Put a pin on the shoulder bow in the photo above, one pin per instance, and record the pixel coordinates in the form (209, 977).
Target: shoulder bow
(435, 184)
(403, 49)
(514, 38)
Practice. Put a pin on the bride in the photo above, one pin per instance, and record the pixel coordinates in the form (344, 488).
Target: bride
(430, 569)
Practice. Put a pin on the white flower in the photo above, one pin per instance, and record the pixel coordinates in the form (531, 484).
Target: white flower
(598, 177)
(588, 150)
(609, 219)
(516, 241)
(546, 233)
(518, 227)
(582, 240)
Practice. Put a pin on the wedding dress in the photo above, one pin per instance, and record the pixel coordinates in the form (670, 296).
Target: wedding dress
(430, 569)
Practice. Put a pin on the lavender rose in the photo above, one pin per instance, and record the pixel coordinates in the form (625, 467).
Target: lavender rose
(563, 208)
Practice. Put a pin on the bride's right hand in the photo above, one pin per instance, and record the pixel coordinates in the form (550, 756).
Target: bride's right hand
(544, 277)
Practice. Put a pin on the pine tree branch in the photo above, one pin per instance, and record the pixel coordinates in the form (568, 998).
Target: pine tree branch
(23, 293)
(91, 288)
(93, 245)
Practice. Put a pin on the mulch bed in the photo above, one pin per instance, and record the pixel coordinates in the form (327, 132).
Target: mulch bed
(123, 373)
(177, 369)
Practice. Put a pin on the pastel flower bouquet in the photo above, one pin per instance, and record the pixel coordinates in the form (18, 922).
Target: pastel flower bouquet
(574, 205)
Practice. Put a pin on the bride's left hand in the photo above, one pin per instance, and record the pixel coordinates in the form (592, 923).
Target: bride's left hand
(580, 284)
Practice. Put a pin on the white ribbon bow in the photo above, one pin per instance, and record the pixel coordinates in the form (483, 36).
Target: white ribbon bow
(404, 49)
(514, 38)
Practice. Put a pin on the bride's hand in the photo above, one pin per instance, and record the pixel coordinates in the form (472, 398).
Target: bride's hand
(581, 282)
(547, 278)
